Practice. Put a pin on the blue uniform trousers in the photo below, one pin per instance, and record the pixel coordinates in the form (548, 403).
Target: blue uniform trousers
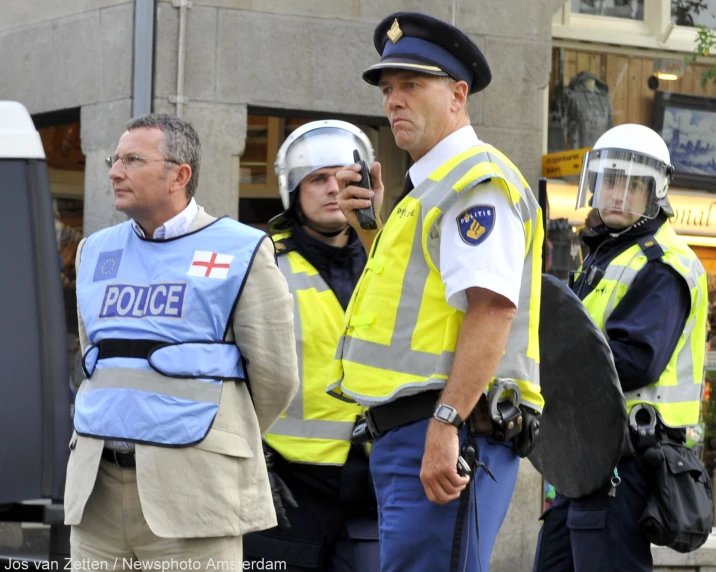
(417, 535)
(598, 533)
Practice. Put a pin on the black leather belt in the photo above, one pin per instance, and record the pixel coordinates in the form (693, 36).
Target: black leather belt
(124, 460)
(382, 418)
(378, 420)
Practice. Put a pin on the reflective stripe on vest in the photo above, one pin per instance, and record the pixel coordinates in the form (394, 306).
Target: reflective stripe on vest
(401, 334)
(677, 392)
(316, 427)
(180, 293)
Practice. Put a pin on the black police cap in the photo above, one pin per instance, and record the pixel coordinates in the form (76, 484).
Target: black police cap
(421, 43)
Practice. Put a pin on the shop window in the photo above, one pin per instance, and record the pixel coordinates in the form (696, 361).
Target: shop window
(591, 91)
(66, 164)
(629, 9)
(262, 143)
(638, 23)
(60, 135)
(694, 13)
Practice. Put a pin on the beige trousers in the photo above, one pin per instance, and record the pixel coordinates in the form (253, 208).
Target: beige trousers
(113, 534)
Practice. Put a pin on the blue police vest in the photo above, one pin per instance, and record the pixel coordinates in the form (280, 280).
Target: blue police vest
(156, 314)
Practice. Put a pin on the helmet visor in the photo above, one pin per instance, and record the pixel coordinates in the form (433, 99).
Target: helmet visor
(624, 181)
(319, 148)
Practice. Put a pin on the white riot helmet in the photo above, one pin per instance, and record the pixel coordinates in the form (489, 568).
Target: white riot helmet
(629, 170)
(316, 145)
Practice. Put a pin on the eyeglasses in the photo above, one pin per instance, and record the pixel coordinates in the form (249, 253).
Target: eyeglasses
(133, 161)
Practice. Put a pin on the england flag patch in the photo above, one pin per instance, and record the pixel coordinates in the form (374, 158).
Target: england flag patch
(209, 264)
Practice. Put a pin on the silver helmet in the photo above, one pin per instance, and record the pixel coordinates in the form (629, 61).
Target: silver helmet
(629, 170)
(316, 145)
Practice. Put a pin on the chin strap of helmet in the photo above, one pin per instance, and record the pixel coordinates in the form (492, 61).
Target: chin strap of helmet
(331, 234)
(617, 232)
(324, 233)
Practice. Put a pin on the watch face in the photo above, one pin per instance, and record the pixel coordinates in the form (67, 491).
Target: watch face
(445, 413)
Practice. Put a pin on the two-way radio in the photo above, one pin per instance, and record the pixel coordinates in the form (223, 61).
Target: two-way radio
(366, 216)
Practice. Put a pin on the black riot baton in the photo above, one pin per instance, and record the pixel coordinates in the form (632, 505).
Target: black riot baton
(542, 200)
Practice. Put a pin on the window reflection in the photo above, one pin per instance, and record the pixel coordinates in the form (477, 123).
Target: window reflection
(694, 13)
(629, 9)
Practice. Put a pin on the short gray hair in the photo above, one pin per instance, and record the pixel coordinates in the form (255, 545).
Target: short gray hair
(180, 142)
(449, 82)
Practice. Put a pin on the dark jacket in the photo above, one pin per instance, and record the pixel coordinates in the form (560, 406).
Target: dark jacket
(645, 326)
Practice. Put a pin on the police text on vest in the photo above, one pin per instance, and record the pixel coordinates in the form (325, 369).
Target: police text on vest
(164, 300)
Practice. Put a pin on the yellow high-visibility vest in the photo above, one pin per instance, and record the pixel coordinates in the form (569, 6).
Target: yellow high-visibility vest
(676, 395)
(316, 428)
(400, 333)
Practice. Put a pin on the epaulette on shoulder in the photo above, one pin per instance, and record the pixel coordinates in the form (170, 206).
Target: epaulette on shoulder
(284, 245)
(651, 248)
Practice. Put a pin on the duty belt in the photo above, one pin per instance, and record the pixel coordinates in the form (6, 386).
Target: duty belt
(491, 416)
(380, 419)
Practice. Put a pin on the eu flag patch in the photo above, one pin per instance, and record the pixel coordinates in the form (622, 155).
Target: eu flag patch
(107, 265)
(475, 224)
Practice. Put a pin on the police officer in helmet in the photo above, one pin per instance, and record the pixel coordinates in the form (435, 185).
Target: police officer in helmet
(647, 292)
(322, 487)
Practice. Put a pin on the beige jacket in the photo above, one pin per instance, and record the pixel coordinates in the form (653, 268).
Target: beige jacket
(218, 487)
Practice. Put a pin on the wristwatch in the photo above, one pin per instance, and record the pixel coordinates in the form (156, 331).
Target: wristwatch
(448, 414)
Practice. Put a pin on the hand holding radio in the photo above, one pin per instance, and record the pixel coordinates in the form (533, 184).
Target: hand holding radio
(366, 216)
(360, 194)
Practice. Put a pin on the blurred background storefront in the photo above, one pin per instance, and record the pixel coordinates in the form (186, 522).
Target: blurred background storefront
(623, 61)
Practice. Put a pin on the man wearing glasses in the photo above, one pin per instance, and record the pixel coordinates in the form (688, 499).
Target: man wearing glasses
(177, 311)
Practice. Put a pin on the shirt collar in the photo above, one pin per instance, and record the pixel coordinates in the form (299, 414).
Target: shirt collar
(454, 144)
(175, 226)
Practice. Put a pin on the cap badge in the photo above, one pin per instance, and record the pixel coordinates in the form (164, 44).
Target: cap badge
(395, 33)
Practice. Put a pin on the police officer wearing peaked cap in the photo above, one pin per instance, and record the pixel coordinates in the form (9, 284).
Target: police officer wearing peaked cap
(444, 308)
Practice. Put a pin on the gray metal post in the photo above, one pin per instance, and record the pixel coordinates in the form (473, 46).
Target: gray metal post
(143, 56)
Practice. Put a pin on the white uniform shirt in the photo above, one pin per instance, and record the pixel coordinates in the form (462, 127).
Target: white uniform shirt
(175, 226)
(496, 263)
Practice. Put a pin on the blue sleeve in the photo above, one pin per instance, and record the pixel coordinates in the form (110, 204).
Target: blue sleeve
(646, 325)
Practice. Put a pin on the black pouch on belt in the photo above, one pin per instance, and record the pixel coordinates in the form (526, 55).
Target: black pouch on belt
(479, 419)
(679, 511)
